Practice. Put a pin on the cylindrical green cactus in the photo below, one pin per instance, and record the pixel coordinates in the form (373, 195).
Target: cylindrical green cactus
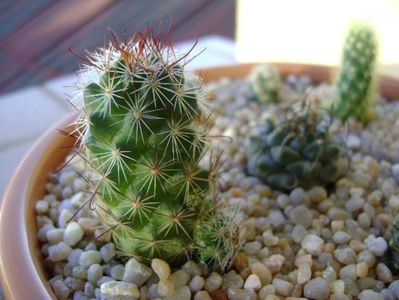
(355, 86)
(296, 151)
(144, 134)
(265, 84)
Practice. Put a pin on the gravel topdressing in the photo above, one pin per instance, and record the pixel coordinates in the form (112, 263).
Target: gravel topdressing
(315, 244)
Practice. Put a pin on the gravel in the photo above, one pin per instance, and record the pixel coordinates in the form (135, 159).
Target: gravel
(314, 243)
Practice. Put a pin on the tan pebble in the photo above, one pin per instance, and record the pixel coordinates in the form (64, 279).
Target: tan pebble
(295, 298)
(303, 260)
(264, 191)
(304, 274)
(367, 257)
(240, 261)
(339, 296)
(324, 206)
(283, 243)
(383, 273)
(329, 247)
(202, 295)
(337, 225)
(338, 286)
(165, 288)
(161, 268)
(362, 269)
(373, 168)
(269, 239)
(244, 273)
(263, 253)
(266, 291)
(272, 297)
(274, 263)
(357, 246)
(262, 272)
(297, 291)
(235, 192)
(317, 194)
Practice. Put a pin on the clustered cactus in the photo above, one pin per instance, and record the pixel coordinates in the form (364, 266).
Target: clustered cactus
(296, 151)
(265, 84)
(355, 86)
(144, 134)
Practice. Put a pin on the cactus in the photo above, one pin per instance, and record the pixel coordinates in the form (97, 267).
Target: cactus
(144, 134)
(265, 84)
(296, 151)
(355, 86)
(393, 236)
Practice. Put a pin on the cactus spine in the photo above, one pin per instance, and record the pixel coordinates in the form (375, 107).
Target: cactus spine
(355, 86)
(144, 134)
(265, 84)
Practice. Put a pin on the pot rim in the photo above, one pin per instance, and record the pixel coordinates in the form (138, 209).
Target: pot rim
(28, 271)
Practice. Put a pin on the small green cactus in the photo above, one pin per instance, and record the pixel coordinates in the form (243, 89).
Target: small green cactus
(296, 151)
(265, 84)
(144, 133)
(394, 242)
(355, 86)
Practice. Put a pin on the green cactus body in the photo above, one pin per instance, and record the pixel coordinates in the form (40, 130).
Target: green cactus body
(297, 151)
(355, 86)
(265, 84)
(394, 242)
(144, 135)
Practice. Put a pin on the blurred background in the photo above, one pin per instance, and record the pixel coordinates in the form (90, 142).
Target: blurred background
(35, 35)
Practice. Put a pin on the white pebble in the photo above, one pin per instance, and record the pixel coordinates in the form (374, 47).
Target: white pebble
(283, 287)
(317, 289)
(60, 289)
(107, 252)
(64, 217)
(73, 234)
(313, 244)
(213, 282)
(119, 290)
(54, 236)
(370, 295)
(41, 206)
(136, 272)
(197, 283)
(377, 245)
(117, 272)
(90, 257)
(59, 252)
(252, 282)
(395, 172)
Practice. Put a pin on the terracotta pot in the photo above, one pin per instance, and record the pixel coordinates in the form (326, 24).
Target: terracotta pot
(22, 271)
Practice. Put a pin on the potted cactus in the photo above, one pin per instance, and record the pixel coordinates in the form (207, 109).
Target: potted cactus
(296, 204)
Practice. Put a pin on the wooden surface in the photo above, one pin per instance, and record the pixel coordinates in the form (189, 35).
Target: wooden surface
(35, 35)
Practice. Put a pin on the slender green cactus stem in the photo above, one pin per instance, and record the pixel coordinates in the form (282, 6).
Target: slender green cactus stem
(355, 86)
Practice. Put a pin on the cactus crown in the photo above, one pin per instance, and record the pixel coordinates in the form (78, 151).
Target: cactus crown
(265, 84)
(355, 86)
(297, 150)
(144, 133)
